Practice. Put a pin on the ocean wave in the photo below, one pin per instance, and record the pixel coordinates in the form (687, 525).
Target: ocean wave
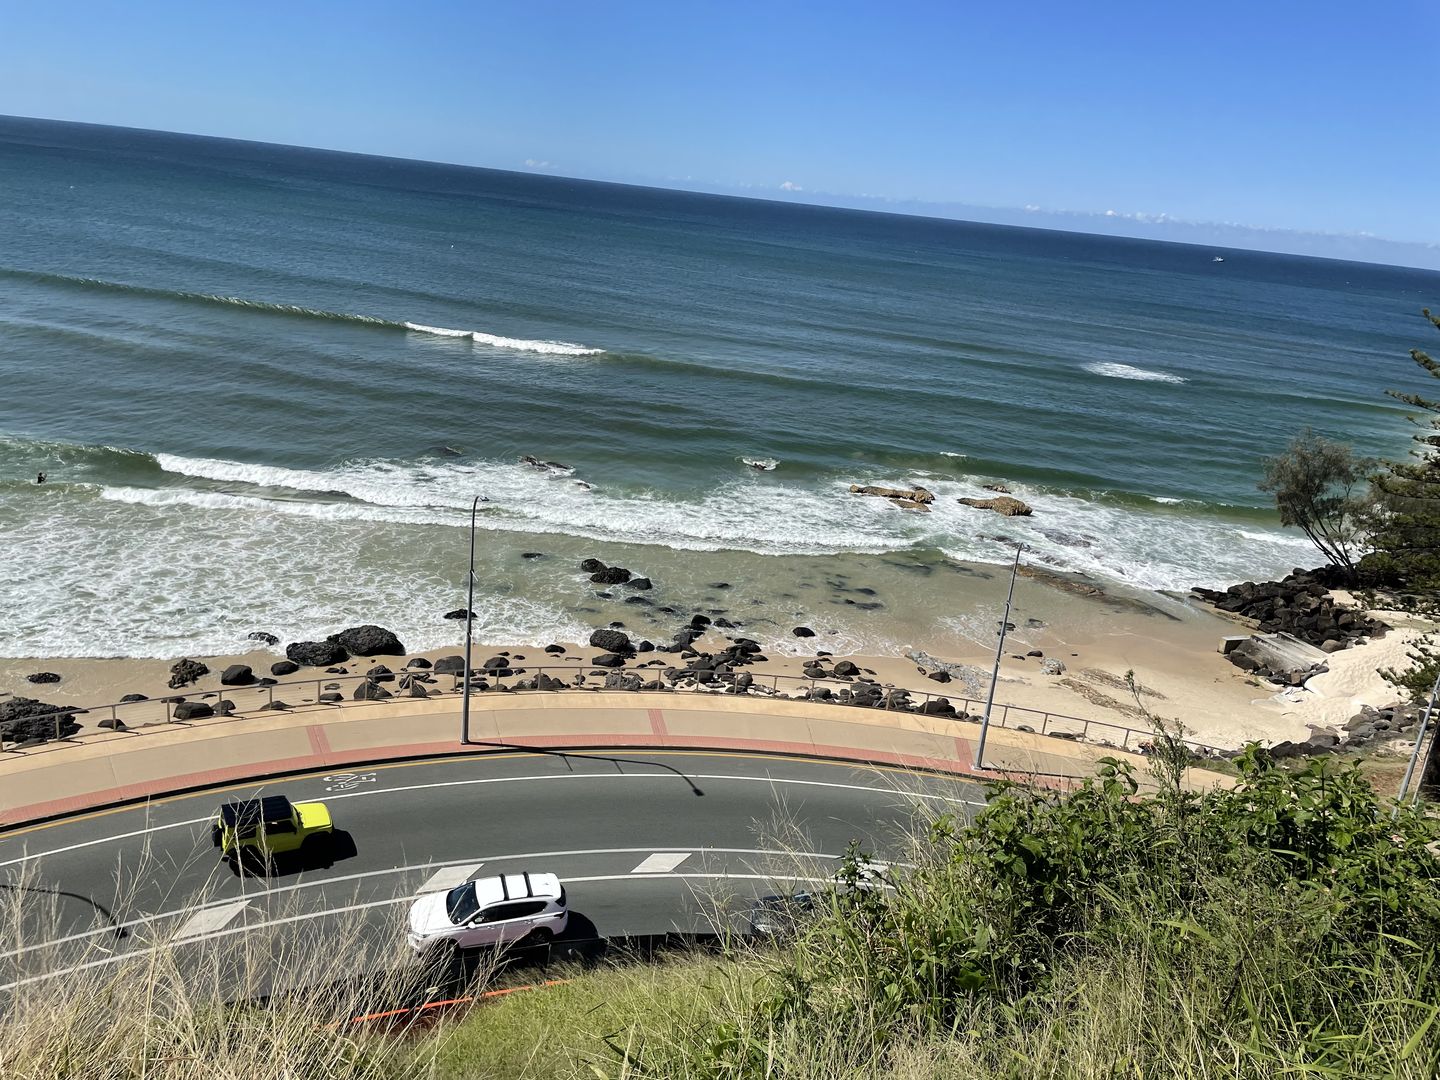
(494, 341)
(1125, 371)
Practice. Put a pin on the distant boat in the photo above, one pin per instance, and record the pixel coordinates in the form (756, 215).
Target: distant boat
(1217, 258)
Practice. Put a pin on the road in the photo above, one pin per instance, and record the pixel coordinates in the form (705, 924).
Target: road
(648, 844)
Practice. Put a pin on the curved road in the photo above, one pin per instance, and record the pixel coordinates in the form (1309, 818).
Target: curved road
(647, 843)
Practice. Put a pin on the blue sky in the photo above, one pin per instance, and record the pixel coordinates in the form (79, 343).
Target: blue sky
(1271, 115)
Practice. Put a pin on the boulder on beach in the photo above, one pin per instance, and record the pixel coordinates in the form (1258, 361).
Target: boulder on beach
(369, 691)
(380, 673)
(263, 637)
(284, 667)
(43, 677)
(368, 640)
(591, 566)
(133, 697)
(25, 720)
(611, 575)
(449, 665)
(1004, 504)
(609, 660)
(192, 710)
(237, 675)
(641, 583)
(459, 613)
(613, 641)
(803, 632)
(315, 653)
(419, 662)
(185, 672)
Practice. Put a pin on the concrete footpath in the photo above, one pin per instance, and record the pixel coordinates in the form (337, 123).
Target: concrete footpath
(106, 768)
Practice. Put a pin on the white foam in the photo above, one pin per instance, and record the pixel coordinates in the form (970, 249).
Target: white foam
(762, 464)
(953, 453)
(1125, 371)
(549, 348)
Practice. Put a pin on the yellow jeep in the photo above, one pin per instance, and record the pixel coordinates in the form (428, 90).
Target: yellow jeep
(256, 830)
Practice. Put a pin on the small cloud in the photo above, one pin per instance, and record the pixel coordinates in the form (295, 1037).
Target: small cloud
(1111, 213)
(790, 185)
(533, 163)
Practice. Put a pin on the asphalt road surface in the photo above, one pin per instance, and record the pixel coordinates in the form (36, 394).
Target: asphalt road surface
(648, 845)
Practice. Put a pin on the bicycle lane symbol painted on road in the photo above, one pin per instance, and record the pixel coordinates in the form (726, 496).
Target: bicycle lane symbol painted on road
(348, 781)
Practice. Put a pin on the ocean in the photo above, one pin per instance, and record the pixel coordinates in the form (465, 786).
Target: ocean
(265, 384)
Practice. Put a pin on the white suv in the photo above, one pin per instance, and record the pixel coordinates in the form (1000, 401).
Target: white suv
(524, 907)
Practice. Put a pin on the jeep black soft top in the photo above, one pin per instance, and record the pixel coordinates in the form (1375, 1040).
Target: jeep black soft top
(248, 813)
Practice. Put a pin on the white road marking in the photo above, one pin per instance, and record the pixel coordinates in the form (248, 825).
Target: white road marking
(662, 862)
(231, 931)
(318, 882)
(208, 920)
(446, 878)
(771, 780)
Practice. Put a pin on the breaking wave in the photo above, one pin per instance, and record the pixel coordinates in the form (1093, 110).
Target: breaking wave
(1125, 371)
(494, 341)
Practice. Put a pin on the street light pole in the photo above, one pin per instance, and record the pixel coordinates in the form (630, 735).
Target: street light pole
(469, 625)
(1415, 753)
(995, 672)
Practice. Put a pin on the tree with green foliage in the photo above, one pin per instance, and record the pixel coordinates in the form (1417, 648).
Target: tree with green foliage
(1406, 541)
(1323, 488)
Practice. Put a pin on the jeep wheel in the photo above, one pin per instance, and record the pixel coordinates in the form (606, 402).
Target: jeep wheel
(537, 938)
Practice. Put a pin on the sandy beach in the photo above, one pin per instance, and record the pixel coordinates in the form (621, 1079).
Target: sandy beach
(1172, 650)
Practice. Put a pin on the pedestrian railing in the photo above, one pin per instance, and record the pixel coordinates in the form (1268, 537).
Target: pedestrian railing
(329, 691)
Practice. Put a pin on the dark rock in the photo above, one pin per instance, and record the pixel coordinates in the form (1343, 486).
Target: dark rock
(112, 724)
(262, 636)
(814, 673)
(225, 706)
(612, 641)
(591, 566)
(368, 640)
(642, 601)
(641, 583)
(275, 706)
(316, 653)
(1036, 653)
(416, 689)
(699, 622)
(459, 613)
(532, 554)
(43, 677)
(450, 665)
(803, 632)
(25, 720)
(622, 680)
(332, 698)
(237, 675)
(546, 682)
(498, 667)
(284, 667)
(185, 672)
(846, 670)
(611, 575)
(719, 585)
(938, 707)
(419, 663)
(133, 697)
(610, 660)
(645, 646)
(380, 674)
(555, 650)
(192, 710)
(725, 624)
(369, 691)
(939, 676)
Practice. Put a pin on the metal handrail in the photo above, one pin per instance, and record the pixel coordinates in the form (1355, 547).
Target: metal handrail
(652, 680)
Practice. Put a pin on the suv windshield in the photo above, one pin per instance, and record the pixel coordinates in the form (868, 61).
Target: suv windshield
(461, 903)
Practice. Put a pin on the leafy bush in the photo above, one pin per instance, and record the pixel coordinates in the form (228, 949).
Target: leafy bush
(1285, 924)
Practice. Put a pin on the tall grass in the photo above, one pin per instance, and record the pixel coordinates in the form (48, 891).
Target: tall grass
(1284, 927)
